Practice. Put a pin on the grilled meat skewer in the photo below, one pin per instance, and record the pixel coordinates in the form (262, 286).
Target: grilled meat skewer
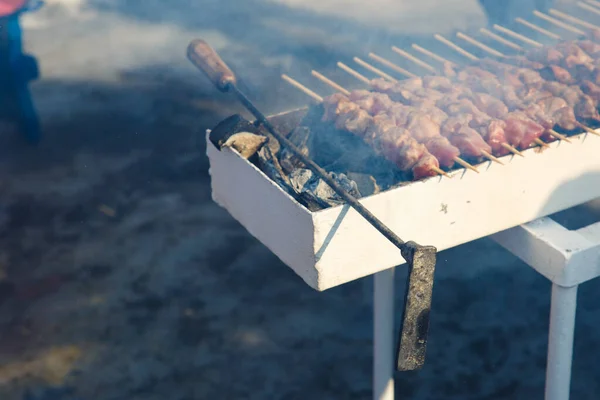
(382, 134)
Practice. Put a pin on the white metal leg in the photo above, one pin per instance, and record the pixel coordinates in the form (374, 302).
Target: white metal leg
(567, 258)
(383, 335)
(560, 342)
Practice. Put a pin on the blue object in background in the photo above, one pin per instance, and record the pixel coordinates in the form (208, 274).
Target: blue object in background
(16, 71)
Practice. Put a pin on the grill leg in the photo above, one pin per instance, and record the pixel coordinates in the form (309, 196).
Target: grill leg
(560, 343)
(383, 335)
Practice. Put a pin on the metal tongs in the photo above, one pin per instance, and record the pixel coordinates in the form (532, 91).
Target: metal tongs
(420, 259)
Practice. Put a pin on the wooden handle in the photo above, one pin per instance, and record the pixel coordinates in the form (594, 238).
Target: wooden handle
(206, 59)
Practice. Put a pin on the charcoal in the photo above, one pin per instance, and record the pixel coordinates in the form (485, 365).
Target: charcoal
(269, 164)
(313, 190)
(289, 161)
(229, 127)
(366, 184)
(245, 143)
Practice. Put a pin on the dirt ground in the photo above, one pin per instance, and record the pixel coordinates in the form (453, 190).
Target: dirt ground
(122, 280)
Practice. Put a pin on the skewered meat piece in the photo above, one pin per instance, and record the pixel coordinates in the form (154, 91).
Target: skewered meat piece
(455, 101)
(521, 130)
(419, 124)
(589, 47)
(526, 101)
(456, 128)
(595, 35)
(393, 142)
(517, 129)
(568, 54)
(592, 90)
(382, 134)
(582, 104)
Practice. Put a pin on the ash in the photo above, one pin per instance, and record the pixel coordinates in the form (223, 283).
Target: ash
(121, 279)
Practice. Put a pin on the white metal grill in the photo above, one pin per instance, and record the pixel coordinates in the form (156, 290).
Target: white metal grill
(334, 246)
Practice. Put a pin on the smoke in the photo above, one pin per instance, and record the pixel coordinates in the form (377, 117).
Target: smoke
(406, 17)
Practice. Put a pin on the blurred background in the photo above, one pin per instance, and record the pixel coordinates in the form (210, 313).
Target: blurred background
(121, 279)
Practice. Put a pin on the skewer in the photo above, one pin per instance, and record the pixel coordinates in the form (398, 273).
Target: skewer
(336, 86)
(391, 65)
(354, 73)
(477, 43)
(329, 82)
(374, 70)
(367, 81)
(456, 159)
(558, 136)
(455, 47)
(541, 143)
(558, 23)
(587, 129)
(538, 29)
(491, 157)
(432, 55)
(516, 35)
(486, 154)
(588, 7)
(573, 19)
(303, 88)
(551, 132)
(512, 149)
(465, 164)
(500, 39)
(594, 3)
(413, 59)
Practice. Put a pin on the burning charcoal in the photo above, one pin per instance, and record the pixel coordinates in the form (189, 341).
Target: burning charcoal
(367, 184)
(246, 143)
(229, 127)
(316, 192)
(269, 164)
(289, 162)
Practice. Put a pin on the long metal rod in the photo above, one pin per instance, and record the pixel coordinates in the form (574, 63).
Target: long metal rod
(560, 342)
(366, 214)
(383, 335)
